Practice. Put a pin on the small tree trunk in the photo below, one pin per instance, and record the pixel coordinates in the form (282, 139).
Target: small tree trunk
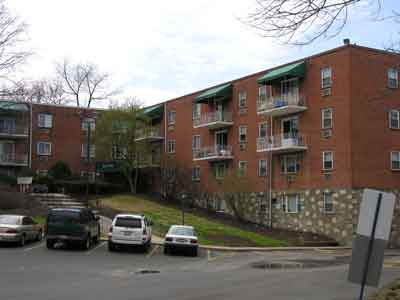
(131, 185)
(136, 179)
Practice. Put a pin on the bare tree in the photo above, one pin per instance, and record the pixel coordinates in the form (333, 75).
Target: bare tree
(84, 82)
(12, 37)
(303, 21)
(40, 91)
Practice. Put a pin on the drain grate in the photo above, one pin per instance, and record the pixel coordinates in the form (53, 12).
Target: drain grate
(147, 271)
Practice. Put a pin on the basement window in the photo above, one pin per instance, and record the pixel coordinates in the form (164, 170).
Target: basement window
(328, 203)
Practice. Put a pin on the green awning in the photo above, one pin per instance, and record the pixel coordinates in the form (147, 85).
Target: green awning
(15, 106)
(294, 70)
(108, 167)
(155, 111)
(219, 92)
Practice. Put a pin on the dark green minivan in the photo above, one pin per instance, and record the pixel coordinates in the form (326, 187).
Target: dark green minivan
(72, 225)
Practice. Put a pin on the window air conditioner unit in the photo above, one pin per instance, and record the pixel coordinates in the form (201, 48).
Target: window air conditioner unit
(326, 92)
(327, 133)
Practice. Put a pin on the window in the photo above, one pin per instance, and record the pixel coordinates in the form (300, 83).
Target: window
(328, 202)
(327, 159)
(290, 164)
(292, 204)
(395, 160)
(45, 120)
(262, 130)
(86, 123)
(171, 146)
(262, 97)
(242, 134)
(242, 99)
(326, 77)
(196, 142)
(394, 119)
(84, 151)
(7, 125)
(392, 78)
(171, 117)
(196, 111)
(242, 168)
(42, 173)
(196, 173)
(327, 118)
(119, 153)
(220, 170)
(262, 167)
(91, 176)
(44, 148)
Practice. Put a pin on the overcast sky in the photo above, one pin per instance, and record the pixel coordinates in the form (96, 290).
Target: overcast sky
(157, 50)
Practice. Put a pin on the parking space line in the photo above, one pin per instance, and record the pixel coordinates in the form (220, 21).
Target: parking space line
(152, 251)
(34, 247)
(97, 247)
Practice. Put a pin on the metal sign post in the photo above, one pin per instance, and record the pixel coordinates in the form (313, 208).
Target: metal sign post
(374, 225)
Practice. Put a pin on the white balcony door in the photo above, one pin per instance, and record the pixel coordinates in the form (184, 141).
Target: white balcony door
(221, 140)
(290, 90)
(219, 111)
(290, 131)
(7, 151)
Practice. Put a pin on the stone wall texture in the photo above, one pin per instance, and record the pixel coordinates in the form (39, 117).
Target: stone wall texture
(341, 224)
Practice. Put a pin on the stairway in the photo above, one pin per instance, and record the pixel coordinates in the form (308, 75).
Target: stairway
(58, 201)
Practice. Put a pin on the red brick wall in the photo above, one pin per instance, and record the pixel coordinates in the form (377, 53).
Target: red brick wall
(66, 137)
(371, 102)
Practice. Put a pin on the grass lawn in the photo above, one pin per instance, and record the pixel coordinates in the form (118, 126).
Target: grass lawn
(209, 232)
(40, 219)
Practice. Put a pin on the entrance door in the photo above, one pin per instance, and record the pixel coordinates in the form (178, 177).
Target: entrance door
(290, 130)
(7, 151)
(221, 140)
(219, 111)
(290, 91)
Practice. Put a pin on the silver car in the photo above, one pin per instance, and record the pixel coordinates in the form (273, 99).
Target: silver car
(19, 229)
(183, 237)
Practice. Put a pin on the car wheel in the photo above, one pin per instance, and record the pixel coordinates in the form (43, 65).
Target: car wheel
(87, 243)
(194, 252)
(22, 240)
(166, 250)
(146, 246)
(111, 246)
(49, 244)
(39, 236)
(96, 239)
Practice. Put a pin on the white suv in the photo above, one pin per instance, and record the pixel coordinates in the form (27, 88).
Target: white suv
(129, 229)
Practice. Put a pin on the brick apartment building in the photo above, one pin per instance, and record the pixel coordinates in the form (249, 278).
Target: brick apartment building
(308, 136)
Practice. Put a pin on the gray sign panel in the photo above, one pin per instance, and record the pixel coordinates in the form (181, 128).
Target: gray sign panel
(367, 213)
(359, 258)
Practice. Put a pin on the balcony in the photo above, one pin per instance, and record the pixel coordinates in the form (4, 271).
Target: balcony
(281, 105)
(14, 132)
(151, 134)
(216, 153)
(214, 120)
(13, 159)
(278, 144)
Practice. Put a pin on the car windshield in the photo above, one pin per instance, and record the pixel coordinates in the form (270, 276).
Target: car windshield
(63, 216)
(10, 220)
(128, 222)
(182, 231)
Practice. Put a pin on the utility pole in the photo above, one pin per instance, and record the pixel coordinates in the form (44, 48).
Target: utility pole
(88, 135)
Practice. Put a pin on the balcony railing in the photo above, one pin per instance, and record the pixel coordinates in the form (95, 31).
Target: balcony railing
(281, 105)
(13, 159)
(214, 120)
(151, 133)
(282, 144)
(14, 131)
(218, 152)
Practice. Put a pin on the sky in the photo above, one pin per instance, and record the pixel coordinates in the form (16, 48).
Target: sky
(157, 50)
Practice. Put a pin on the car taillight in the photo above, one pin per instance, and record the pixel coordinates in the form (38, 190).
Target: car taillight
(193, 241)
(144, 231)
(111, 229)
(168, 239)
(11, 231)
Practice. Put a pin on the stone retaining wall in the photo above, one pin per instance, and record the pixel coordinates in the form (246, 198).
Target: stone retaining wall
(340, 224)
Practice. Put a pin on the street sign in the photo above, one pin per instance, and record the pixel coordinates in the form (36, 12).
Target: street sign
(373, 231)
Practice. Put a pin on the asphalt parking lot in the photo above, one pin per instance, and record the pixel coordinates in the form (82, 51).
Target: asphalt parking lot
(34, 272)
